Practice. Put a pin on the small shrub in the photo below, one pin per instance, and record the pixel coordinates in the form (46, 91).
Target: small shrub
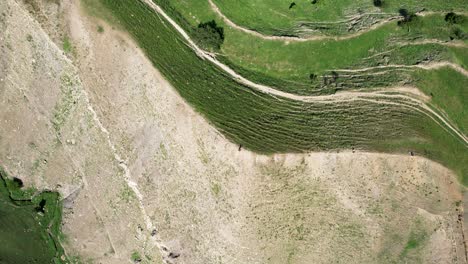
(312, 77)
(453, 18)
(100, 29)
(334, 76)
(408, 17)
(458, 34)
(378, 3)
(403, 12)
(293, 4)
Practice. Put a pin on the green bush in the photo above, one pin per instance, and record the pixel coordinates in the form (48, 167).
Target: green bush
(378, 3)
(453, 18)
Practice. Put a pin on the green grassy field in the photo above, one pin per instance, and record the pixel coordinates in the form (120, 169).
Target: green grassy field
(288, 66)
(30, 225)
(275, 17)
(267, 124)
(296, 61)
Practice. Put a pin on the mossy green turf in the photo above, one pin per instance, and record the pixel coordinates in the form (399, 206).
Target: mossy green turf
(266, 124)
(27, 236)
(274, 17)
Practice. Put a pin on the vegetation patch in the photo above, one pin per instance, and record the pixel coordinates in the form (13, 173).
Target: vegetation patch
(66, 104)
(136, 257)
(67, 45)
(30, 223)
(416, 241)
(215, 189)
(126, 194)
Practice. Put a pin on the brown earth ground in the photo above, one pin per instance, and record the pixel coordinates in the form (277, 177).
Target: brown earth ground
(141, 172)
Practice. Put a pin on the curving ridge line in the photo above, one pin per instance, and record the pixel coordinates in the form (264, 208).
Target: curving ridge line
(338, 97)
(309, 38)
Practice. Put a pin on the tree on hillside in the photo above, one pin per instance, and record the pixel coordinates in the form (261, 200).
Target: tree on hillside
(209, 35)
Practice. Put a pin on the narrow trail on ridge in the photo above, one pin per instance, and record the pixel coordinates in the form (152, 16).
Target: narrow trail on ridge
(338, 97)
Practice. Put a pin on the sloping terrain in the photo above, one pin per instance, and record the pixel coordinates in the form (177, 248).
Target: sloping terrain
(144, 177)
(270, 123)
(318, 17)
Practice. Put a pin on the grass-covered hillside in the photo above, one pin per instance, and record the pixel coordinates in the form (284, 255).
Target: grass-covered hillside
(309, 17)
(268, 124)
